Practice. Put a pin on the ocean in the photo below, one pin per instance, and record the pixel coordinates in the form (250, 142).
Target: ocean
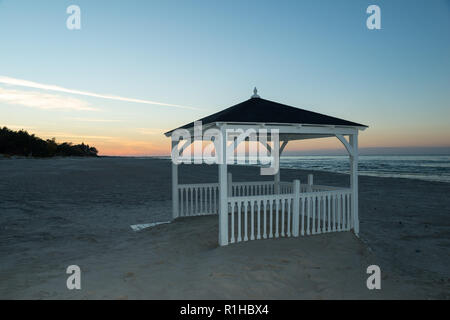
(423, 167)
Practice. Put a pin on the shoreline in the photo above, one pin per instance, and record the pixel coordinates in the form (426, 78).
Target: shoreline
(167, 158)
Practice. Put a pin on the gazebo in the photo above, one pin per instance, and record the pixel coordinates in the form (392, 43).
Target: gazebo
(275, 208)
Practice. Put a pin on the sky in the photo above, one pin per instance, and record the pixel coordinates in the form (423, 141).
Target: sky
(137, 69)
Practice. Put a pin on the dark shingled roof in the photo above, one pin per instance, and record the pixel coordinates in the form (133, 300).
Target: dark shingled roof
(266, 111)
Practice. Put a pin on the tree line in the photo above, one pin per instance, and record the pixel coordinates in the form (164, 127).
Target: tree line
(21, 143)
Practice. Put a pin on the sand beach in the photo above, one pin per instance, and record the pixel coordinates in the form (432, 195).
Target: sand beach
(65, 211)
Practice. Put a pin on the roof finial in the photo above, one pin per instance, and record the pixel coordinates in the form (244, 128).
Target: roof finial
(255, 93)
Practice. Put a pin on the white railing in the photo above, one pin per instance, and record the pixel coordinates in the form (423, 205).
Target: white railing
(198, 199)
(272, 216)
(202, 199)
(243, 189)
(260, 210)
(256, 217)
(325, 211)
(318, 187)
(286, 187)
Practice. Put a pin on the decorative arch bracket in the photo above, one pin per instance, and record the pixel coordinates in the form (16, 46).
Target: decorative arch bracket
(346, 144)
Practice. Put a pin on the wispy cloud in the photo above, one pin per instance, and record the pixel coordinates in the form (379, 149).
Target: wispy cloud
(31, 84)
(42, 100)
(57, 134)
(17, 127)
(93, 120)
(150, 131)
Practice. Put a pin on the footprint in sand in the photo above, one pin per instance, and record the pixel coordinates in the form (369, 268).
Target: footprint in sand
(129, 275)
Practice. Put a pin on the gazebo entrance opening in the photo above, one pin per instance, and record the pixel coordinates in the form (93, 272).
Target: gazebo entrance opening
(270, 209)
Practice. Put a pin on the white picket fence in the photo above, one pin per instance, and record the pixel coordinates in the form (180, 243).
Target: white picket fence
(260, 210)
(287, 187)
(272, 216)
(242, 189)
(202, 199)
(198, 199)
(327, 211)
(259, 217)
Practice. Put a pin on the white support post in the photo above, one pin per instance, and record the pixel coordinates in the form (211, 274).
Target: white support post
(235, 151)
(230, 184)
(276, 181)
(310, 182)
(223, 191)
(296, 209)
(354, 182)
(174, 191)
(174, 186)
(276, 178)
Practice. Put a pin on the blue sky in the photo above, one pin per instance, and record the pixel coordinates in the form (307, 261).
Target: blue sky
(317, 55)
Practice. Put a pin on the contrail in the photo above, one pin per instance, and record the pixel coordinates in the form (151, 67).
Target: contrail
(31, 84)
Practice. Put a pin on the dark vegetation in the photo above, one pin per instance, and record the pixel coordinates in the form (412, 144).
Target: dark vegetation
(21, 143)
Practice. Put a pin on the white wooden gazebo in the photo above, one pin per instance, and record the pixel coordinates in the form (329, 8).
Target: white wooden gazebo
(275, 208)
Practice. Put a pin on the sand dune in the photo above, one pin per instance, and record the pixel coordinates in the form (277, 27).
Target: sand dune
(58, 212)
